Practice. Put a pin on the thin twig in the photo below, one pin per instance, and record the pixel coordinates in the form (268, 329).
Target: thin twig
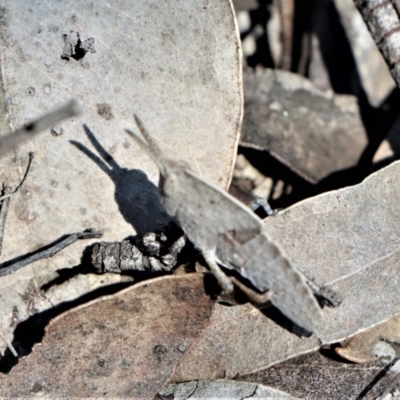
(47, 121)
(48, 251)
(5, 204)
(5, 201)
(28, 168)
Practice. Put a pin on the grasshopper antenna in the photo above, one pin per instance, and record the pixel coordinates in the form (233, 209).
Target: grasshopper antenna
(147, 143)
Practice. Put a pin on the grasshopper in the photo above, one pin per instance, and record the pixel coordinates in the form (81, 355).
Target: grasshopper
(229, 234)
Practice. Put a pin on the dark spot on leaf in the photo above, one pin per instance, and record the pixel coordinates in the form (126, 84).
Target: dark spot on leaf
(31, 91)
(104, 110)
(37, 387)
(160, 352)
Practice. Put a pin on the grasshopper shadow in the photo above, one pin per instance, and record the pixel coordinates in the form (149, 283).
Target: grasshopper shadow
(137, 198)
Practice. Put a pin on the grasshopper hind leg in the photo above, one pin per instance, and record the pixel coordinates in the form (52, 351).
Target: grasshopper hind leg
(223, 280)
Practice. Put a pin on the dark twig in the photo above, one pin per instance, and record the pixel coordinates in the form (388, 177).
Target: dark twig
(5, 204)
(5, 200)
(48, 251)
(7, 195)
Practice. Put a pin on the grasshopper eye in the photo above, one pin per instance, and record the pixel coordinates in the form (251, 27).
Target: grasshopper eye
(169, 184)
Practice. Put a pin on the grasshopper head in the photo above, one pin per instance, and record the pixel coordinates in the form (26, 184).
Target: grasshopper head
(170, 170)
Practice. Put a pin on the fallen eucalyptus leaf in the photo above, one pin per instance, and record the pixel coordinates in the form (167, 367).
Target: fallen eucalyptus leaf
(315, 377)
(314, 133)
(183, 78)
(360, 348)
(127, 344)
(346, 239)
(222, 389)
(240, 340)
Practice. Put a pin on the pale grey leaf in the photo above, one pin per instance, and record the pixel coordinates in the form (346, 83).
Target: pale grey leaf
(223, 389)
(184, 79)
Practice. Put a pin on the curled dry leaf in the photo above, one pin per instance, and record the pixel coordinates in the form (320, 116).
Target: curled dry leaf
(125, 345)
(360, 348)
(346, 239)
(314, 133)
(123, 58)
(222, 389)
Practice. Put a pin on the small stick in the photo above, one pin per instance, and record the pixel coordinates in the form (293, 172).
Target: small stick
(50, 119)
(5, 201)
(3, 215)
(49, 250)
(28, 168)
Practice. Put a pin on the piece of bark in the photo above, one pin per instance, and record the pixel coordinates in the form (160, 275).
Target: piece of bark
(314, 133)
(371, 66)
(124, 345)
(347, 240)
(382, 20)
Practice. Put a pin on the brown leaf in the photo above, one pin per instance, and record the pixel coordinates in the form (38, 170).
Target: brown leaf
(360, 348)
(240, 340)
(315, 133)
(124, 345)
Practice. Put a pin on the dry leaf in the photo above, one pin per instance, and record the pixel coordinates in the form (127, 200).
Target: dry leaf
(348, 240)
(123, 345)
(183, 78)
(314, 133)
(315, 377)
(240, 340)
(21, 298)
(222, 389)
(360, 348)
